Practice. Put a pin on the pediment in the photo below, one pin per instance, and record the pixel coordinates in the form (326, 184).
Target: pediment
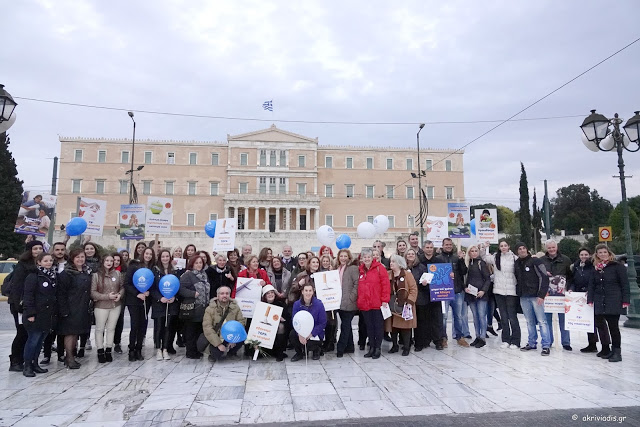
(271, 134)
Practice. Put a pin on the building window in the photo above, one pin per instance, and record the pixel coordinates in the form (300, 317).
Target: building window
(389, 191)
(389, 164)
(370, 218)
(171, 158)
(214, 188)
(370, 192)
(328, 162)
(191, 219)
(369, 162)
(328, 190)
(77, 156)
(272, 185)
(283, 186)
(301, 161)
(283, 158)
(193, 158)
(429, 165)
(409, 192)
(350, 221)
(168, 188)
(263, 157)
(102, 156)
(213, 217)
(262, 185)
(124, 157)
(76, 185)
(328, 220)
(215, 159)
(241, 219)
(409, 164)
(146, 187)
(244, 159)
(350, 190)
(449, 192)
(411, 221)
(124, 186)
(243, 188)
(431, 192)
(148, 157)
(272, 158)
(392, 221)
(349, 163)
(302, 189)
(100, 186)
(447, 165)
(191, 188)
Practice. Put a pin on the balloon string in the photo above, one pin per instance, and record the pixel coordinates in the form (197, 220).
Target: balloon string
(166, 317)
(144, 302)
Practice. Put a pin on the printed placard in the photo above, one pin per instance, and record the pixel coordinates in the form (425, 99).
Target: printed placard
(159, 211)
(554, 301)
(486, 225)
(248, 293)
(264, 326)
(132, 222)
(578, 314)
(437, 229)
(328, 289)
(459, 220)
(179, 263)
(225, 237)
(94, 212)
(34, 215)
(441, 287)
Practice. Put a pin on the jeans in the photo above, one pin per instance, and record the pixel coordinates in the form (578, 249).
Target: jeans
(534, 312)
(106, 319)
(565, 335)
(34, 343)
(508, 308)
(460, 317)
(479, 310)
(375, 326)
(345, 340)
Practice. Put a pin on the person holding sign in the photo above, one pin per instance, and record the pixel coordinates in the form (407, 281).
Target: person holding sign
(253, 271)
(313, 342)
(429, 314)
(349, 304)
(220, 310)
(374, 293)
(558, 264)
(280, 344)
(609, 294)
(477, 285)
(404, 295)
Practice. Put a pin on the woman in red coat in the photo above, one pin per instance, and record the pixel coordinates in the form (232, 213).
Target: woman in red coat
(253, 271)
(374, 291)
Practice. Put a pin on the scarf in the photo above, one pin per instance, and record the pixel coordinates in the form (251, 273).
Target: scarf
(49, 272)
(202, 287)
(73, 269)
(220, 270)
(600, 266)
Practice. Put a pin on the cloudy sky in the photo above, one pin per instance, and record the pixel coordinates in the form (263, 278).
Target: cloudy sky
(362, 61)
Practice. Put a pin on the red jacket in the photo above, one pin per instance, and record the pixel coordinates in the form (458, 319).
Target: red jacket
(373, 286)
(260, 274)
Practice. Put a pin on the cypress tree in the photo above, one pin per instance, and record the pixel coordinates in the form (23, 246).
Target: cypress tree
(526, 231)
(11, 243)
(536, 222)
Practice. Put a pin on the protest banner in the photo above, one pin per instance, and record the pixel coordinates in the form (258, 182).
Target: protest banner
(158, 215)
(225, 237)
(248, 293)
(437, 229)
(486, 225)
(94, 212)
(554, 301)
(441, 286)
(34, 215)
(328, 289)
(264, 326)
(578, 314)
(132, 222)
(459, 220)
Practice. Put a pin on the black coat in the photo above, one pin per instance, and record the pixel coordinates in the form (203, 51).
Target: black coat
(582, 276)
(40, 293)
(459, 268)
(158, 308)
(531, 277)
(74, 298)
(424, 296)
(478, 275)
(217, 280)
(609, 289)
(20, 273)
(130, 291)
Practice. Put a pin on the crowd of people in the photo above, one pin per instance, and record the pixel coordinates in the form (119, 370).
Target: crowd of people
(56, 297)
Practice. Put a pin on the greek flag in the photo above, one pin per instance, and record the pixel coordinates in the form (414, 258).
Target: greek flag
(268, 105)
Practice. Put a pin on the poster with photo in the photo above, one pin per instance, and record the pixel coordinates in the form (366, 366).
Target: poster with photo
(248, 294)
(225, 237)
(328, 289)
(264, 326)
(554, 301)
(459, 220)
(94, 212)
(34, 214)
(132, 222)
(579, 315)
(436, 229)
(441, 286)
(486, 225)
(158, 215)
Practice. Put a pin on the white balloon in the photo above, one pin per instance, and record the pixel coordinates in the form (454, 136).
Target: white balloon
(366, 230)
(589, 144)
(303, 323)
(326, 235)
(381, 224)
(4, 126)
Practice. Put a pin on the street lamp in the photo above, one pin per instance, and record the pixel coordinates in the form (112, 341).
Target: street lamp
(133, 151)
(604, 134)
(7, 105)
(421, 216)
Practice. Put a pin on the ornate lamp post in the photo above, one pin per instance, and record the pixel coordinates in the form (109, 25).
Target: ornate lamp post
(604, 134)
(7, 105)
(421, 215)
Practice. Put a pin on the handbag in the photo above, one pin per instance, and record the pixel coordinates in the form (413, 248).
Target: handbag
(396, 304)
(187, 310)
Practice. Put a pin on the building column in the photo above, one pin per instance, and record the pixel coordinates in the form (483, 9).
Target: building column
(277, 218)
(316, 219)
(267, 211)
(298, 219)
(287, 220)
(256, 219)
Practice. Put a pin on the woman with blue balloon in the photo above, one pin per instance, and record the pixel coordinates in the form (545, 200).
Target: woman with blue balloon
(164, 308)
(194, 293)
(137, 283)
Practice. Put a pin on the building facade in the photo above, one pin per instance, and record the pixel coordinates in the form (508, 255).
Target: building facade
(272, 180)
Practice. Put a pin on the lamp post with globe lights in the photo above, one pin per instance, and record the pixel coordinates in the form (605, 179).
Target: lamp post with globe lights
(603, 134)
(7, 105)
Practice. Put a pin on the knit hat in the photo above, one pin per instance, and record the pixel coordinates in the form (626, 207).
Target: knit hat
(33, 243)
(519, 244)
(267, 288)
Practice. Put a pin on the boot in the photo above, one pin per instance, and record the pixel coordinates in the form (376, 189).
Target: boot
(15, 366)
(316, 355)
(28, 370)
(132, 356)
(591, 348)
(376, 354)
(139, 355)
(371, 352)
(394, 343)
(80, 352)
(107, 355)
(605, 353)
(37, 369)
(101, 358)
(117, 349)
(617, 355)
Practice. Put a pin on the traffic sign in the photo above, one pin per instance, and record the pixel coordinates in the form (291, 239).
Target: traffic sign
(605, 234)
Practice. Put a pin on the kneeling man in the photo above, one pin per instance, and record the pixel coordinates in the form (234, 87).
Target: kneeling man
(220, 310)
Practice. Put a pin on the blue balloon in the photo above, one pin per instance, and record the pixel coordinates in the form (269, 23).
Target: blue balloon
(210, 228)
(76, 226)
(169, 286)
(233, 332)
(473, 226)
(343, 241)
(143, 279)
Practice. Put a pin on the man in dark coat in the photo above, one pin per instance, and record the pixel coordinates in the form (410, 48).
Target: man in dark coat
(558, 264)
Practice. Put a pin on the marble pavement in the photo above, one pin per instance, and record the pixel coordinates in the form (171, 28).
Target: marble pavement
(183, 392)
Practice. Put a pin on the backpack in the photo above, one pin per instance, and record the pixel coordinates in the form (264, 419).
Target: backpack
(6, 285)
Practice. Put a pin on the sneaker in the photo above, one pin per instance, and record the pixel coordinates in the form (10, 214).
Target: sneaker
(165, 355)
(474, 342)
(504, 345)
(546, 352)
(492, 332)
(513, 347)
(480, 343)
(296, 357)
(567, 347)
(462, 342)
(45, 361)
(528, 347)
(159, 355)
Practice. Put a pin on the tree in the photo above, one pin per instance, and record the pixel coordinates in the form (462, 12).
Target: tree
(11, 244)
(616, 221)
(634, 203)
(577, 208)
(536, 222)
(525, 212)
(569, 247)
